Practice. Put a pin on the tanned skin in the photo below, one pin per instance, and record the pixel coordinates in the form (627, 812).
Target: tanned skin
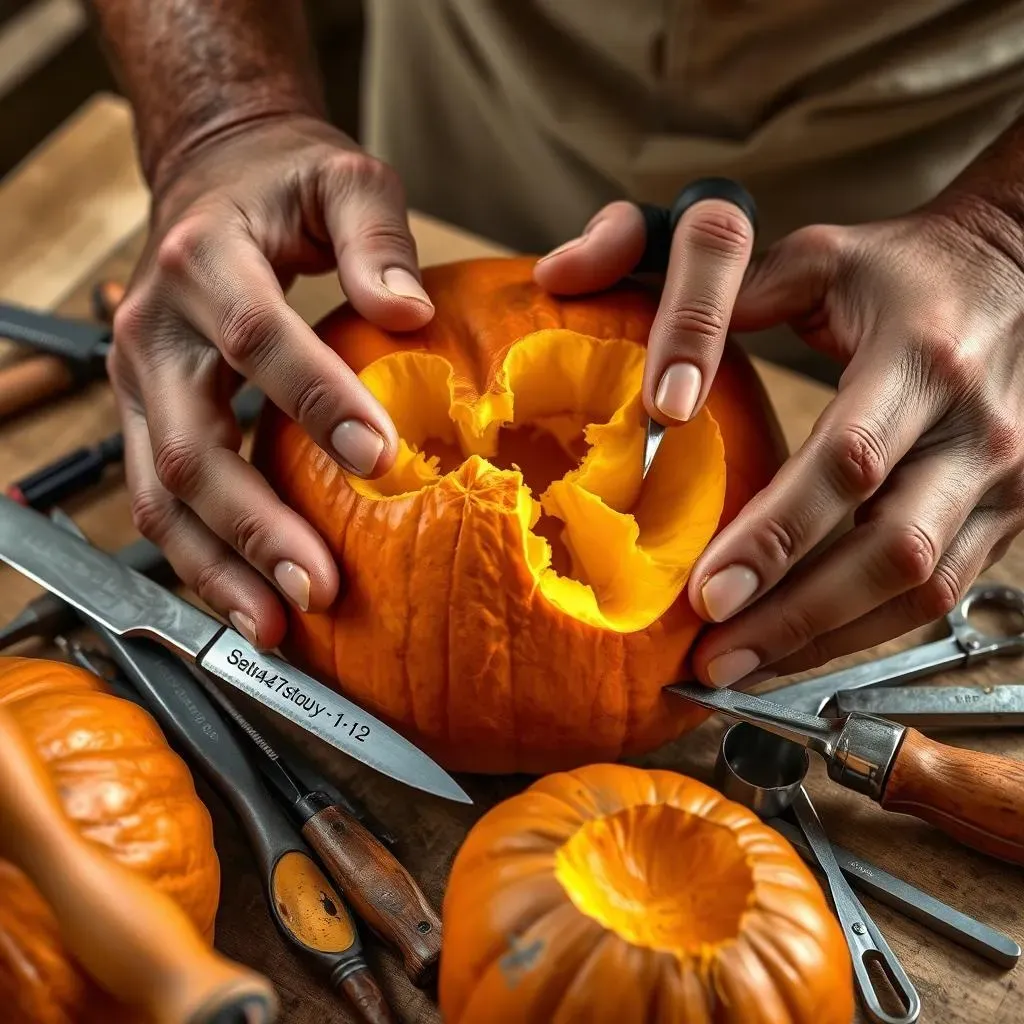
(923, 447)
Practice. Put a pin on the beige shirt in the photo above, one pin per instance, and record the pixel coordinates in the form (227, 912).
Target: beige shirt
(520, 118)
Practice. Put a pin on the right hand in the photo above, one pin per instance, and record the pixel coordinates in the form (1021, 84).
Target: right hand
(239, 217)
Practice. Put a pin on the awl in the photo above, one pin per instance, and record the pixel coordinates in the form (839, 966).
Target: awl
(128, 604)
(974, 797)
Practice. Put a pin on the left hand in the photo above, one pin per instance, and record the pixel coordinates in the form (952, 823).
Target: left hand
(923, 443)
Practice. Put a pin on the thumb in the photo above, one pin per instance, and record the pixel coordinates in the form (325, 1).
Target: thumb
(790, 280)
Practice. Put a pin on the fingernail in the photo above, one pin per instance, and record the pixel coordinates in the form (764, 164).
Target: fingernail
(245, 626)
(358, 445)
(728, 590)
(399, 281)
(727, 668)
(678, 391)
(564, 247)
(294, 581)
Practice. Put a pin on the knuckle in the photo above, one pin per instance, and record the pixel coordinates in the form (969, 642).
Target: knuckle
(701, 318)
(208, 580)
(778, 541)
(911, 554)
(797, 625)
(182, 250)
(249, 333)
(250, 534)
(858, 461)
(1003, 437)
(178, 465)
(718, 228)
(827, 241)
(364, 173)
(130, 322)
(152, 513)
(315, 402)
(939, 594)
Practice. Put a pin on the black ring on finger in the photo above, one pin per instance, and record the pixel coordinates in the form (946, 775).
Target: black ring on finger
(660, 222)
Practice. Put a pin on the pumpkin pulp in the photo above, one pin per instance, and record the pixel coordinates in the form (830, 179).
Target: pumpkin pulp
(556, 438)
(659, 877)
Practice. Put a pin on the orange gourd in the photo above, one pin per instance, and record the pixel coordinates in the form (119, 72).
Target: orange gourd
(611, 894)
(514, 594)
(125, 790)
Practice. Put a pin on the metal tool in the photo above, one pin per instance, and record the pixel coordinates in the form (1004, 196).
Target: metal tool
(939, 707)
(47, 615)
(83, 344)
(976, 798)
(128, 604)
(765, 772)
(653, 437)
(311, 916)
(964, 646)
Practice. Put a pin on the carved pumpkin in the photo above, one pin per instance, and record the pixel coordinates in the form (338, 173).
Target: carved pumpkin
(126, 791)
(514, 598)
(613, 894)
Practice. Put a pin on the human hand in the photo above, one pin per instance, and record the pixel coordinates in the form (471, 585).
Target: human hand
(923, 444)
(242, 215)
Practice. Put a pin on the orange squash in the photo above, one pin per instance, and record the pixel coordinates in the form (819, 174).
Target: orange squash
(611, 894)
(514, 598)
(126, 791)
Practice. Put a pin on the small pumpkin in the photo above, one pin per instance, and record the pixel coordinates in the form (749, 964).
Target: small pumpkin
(125, 790)
(611, 894)
(514, 593)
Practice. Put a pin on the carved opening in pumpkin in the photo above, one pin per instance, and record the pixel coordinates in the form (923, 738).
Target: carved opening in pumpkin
(659, 877)
(555, 438)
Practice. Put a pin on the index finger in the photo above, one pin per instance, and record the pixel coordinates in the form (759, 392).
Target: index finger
(711, 247)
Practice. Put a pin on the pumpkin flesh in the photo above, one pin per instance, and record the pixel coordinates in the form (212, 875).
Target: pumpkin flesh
(612, 894)
(513, 595)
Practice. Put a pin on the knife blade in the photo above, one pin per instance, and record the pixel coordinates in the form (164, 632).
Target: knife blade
(653, 436)
(80, 342)
(939, 707)
(129, 604)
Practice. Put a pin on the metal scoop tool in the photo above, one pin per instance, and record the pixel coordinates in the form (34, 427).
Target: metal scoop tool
(770, 788)
(765, 772)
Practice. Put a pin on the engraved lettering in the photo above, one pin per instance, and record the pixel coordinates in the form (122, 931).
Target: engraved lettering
(234, 657)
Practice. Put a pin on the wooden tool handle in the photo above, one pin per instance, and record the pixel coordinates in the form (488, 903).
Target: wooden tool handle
(132, 939)
(379, 889)
(32, 380)
(976, 798)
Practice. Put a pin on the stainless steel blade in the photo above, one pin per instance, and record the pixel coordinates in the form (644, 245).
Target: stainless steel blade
(128, 604)
(652, 442)
(939, 707)
(808, 730)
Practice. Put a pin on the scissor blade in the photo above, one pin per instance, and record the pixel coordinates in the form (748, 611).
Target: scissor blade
(939, 707)
(807, 730)
(652, 442)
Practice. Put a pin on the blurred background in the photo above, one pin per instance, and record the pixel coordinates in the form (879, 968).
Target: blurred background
(50, 63)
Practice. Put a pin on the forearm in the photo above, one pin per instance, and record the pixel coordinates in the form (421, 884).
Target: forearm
(193, 67)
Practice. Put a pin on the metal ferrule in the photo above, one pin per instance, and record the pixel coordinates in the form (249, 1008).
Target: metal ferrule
(864, 752)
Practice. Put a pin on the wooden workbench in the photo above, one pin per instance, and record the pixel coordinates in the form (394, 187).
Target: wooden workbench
(73, 214)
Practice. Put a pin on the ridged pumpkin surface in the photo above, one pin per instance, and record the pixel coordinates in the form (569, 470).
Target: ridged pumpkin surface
(611, 894)
(513, 596)
(126, 791)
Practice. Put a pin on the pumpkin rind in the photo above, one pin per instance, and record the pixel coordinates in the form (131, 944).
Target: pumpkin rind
(126, 791)
(519, 948)
(445, 628)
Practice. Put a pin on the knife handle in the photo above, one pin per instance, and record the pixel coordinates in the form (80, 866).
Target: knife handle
(378, 887)
(135, 941)
(976, 798)
(30, 381)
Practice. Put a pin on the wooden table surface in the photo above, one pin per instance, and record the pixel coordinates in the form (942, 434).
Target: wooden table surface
(74, 213)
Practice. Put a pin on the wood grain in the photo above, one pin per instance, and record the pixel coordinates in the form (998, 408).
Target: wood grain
(379, 890)
(975, 797)
(956, 987)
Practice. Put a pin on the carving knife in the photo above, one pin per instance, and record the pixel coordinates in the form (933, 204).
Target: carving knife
(129, 604)
(974, 797)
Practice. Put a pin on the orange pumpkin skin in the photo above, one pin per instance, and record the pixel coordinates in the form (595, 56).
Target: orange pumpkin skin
(126, 791)
(440, 629)
(611, 894)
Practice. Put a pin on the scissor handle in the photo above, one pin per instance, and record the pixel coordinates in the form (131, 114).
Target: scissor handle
(974, 642)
